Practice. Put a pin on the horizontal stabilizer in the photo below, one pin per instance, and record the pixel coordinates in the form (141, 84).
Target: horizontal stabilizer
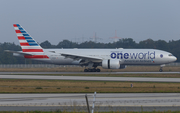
(18, 52)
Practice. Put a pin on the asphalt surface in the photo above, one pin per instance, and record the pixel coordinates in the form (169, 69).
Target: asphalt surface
(84, 108)
(88, 78)
(2, 73)
(104, 102)
(76, 102)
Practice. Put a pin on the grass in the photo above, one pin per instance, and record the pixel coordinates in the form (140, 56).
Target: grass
(80, 69)
(36, 88)
(57, 86)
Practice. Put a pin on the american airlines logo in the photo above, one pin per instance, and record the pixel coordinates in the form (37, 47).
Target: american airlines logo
(148, 55)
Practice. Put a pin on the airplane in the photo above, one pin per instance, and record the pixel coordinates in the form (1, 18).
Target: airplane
(90, 58)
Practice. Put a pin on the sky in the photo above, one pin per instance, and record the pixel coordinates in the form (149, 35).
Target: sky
(79, 20)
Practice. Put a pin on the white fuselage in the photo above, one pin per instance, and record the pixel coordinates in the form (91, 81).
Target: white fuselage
(126, 56)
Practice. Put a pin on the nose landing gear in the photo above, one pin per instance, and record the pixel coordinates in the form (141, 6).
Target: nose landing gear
(161, 66)
(160, 70)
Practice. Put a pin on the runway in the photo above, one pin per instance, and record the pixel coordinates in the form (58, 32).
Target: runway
(88, 78)
(104, 102)
(51, 73)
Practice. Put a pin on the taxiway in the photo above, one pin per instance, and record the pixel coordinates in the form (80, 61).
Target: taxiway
(51, 73)
(88, 78)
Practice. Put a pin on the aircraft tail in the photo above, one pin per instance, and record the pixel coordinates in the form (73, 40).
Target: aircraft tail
(28, 44)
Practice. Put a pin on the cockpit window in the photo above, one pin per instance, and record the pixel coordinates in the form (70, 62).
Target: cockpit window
(170, 55)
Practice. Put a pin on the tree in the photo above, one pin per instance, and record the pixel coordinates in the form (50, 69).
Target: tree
(46, 44)
(149, 44)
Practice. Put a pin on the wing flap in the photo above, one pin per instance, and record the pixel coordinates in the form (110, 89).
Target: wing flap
(83, 57)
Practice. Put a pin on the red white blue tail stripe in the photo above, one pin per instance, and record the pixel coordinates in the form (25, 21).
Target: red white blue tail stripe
(28, 44)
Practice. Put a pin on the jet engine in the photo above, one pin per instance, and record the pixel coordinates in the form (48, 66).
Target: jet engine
(112, 64)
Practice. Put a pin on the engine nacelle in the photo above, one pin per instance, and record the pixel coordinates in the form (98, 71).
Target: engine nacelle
(111, 64)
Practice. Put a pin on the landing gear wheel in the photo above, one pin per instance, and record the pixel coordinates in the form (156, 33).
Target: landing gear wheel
(160, 70)
(90, 70)
(94, 70)
(85, 70)
(98, 70)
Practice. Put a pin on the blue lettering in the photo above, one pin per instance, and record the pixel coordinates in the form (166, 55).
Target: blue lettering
(119, 54)
(140, 55)
(144, 55)
(148, 55)
(113, 55)
(152, 57)
(135, 56)
(126, 55)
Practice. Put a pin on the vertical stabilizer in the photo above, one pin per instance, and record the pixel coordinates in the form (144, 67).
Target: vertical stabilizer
(28, 44)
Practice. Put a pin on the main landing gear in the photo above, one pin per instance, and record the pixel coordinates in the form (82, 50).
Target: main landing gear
(92, 70)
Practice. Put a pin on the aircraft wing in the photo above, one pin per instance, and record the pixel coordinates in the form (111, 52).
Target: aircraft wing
(83, 57)
(18, 52)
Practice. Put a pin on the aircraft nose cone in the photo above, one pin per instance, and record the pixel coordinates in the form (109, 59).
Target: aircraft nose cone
(175, 58)
(172, 59)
